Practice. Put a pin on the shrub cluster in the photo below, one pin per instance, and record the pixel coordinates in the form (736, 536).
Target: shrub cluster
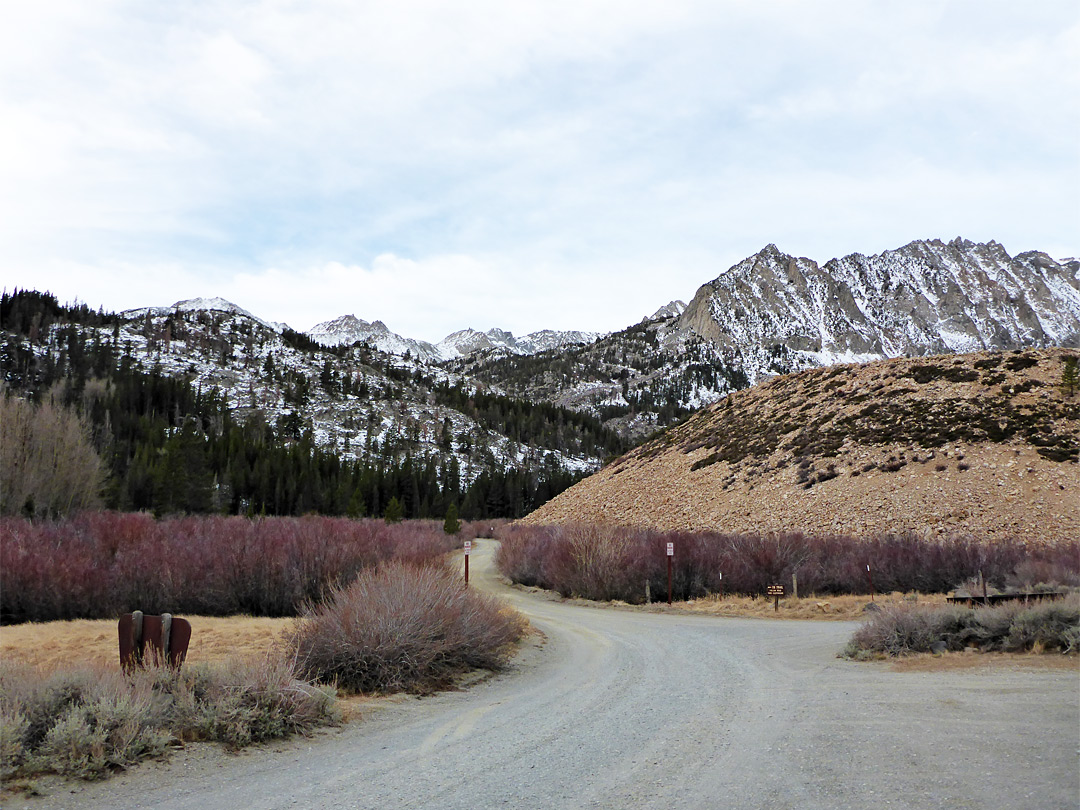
(602, 562)
(99, 565)
(1012, 627)
(86, 722)
(471, 529)
(402, 628)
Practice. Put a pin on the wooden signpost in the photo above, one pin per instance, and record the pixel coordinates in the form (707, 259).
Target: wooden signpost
(468, 551)
(776, 591)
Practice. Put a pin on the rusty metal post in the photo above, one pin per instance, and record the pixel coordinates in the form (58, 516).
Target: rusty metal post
(167, 637)
(468, 552)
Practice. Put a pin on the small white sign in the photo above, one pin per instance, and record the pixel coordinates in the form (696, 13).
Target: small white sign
(468, 547)
(671, 549)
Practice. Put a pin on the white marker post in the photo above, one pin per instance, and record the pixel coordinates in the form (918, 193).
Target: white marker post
(468, 551)
(670, 555)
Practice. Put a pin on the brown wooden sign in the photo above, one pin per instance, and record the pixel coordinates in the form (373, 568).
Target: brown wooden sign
(776, 591)
(166, 637)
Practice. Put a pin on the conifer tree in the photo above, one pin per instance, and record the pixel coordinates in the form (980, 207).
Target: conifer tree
(1070, 378)
(452, 525)
(394, 513)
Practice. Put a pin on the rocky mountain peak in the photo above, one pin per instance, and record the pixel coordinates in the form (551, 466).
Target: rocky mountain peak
(773, 313)
(673, 309)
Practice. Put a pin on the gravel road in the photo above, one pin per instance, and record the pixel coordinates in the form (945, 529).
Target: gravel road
(629, 709)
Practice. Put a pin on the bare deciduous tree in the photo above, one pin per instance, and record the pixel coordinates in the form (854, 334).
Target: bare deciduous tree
(47, 463)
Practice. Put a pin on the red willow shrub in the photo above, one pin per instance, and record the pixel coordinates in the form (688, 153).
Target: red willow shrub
(472, 529)
(101, 564)
(615, 563)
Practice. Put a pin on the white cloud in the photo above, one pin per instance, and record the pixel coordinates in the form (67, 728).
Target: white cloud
(571, 164)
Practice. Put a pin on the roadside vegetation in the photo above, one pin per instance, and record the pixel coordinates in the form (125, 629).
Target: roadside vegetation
(87, 722)
(896, 630)
(376, 612)
(609, 563)
(403, 628)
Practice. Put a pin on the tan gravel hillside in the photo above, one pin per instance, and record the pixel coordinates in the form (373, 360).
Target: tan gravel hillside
(983, 443)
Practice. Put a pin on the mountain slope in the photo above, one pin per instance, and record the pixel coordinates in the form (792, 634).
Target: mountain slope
(359, 403)
(984, 443)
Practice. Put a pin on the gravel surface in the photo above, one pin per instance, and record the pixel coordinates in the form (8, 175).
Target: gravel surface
(621, 709)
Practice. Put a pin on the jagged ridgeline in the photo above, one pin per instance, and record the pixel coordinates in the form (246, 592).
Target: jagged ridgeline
(215, 410)
(984, 444)
(774, 313)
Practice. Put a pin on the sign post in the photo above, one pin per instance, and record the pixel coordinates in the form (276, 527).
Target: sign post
(468, 551)
(776, 591)
(721, 586)
(670, 555)
(871, 578)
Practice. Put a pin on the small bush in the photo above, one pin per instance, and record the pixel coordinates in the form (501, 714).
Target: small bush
(84, 722)
(903, 630)
(402, 628)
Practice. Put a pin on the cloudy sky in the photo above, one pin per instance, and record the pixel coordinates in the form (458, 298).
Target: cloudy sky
(528, 164)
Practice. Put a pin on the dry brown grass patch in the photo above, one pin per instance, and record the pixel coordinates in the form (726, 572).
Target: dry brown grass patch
(47, 645)
(835, 608)
(946, 662)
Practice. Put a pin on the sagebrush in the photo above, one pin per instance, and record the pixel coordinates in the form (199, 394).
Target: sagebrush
(1013, 627)
(86, 722)
(402, 628)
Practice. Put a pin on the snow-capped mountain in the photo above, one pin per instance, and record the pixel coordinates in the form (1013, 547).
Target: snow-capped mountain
(199, 305)
(469, 341)
(358, 400)
(775, 313)
(769, 314)
(348, 329)
(672, 310)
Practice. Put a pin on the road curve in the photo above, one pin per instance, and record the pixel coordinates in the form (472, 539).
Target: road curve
(626, 709)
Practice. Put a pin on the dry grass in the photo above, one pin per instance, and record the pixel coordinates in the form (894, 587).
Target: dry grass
(837, 608)
(47, 645)
(968, 660)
